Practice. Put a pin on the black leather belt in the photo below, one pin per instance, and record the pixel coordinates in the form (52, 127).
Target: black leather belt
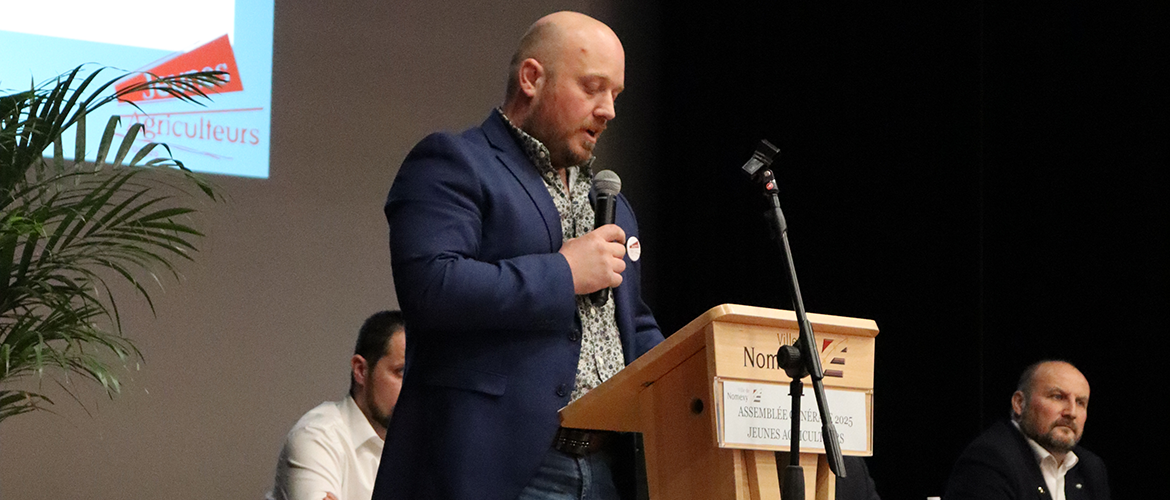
(580, 442)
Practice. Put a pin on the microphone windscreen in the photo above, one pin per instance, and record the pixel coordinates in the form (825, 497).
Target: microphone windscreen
(606, 182)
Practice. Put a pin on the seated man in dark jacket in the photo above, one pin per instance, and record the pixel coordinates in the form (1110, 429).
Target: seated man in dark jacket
(1035, 455)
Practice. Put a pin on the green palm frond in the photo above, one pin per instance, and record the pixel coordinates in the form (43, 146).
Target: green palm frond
(68, 227)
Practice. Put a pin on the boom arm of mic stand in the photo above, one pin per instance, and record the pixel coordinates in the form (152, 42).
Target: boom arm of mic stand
(757, 168)
(809, 354)
(807, 344)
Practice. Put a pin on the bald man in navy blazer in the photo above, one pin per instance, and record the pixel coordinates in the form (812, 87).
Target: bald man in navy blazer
(1035, 455)
(491, 288)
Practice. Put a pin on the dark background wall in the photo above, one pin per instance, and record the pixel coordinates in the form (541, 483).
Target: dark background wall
(988, 182)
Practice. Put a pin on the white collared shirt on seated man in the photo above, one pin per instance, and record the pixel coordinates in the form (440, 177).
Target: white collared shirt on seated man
(333, 451)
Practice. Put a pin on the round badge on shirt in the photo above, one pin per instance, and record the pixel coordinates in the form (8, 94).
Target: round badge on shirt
(634, 248)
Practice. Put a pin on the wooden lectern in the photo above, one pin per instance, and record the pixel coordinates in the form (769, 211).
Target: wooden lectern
(673, 395)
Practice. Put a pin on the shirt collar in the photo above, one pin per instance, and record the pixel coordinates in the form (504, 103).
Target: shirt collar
(536, 150)
(360, 430)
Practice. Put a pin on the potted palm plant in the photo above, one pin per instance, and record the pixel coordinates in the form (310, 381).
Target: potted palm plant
(70, 226)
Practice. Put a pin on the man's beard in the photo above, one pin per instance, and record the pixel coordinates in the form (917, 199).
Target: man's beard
(376, 413)
(544, 128)
(1048, 439)
(561, 151)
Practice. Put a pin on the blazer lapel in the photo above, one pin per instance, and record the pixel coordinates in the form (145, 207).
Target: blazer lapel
(513, 158)
(1028, 457)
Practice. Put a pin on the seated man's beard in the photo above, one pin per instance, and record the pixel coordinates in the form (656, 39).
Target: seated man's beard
(1048, 439)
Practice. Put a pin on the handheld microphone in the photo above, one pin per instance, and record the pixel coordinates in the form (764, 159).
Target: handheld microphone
(606, 186)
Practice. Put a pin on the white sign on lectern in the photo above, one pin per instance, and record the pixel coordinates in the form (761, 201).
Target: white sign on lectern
(757, 415)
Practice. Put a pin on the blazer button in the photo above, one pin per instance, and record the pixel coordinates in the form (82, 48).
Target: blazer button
(562, 391)
(575, 335)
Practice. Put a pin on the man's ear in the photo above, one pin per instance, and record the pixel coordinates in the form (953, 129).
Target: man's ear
(532, 77)
(1018, 403)
(358, 367)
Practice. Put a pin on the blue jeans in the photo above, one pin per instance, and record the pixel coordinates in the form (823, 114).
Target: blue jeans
(565, 477)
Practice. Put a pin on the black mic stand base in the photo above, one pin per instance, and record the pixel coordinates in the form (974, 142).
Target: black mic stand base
(792, 485)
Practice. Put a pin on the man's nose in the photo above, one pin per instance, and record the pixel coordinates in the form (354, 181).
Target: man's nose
(605, 108)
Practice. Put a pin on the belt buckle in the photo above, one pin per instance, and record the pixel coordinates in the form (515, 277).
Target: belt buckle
(576, 442)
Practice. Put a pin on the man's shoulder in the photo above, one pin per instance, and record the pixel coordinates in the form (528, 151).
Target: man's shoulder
(1086, 456)
(324, 419)
(997, 464)
(444, 163)
(475, 140)
(1002, 449)
(1001, 430)
(462, 146)
(1001, 439)
(1090, 464)
(449, 156)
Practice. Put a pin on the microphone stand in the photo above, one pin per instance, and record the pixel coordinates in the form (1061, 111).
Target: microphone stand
(802, 358)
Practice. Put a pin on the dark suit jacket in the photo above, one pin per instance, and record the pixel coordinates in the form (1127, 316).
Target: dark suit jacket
(857, 483)
(999, 464)
(492, 333)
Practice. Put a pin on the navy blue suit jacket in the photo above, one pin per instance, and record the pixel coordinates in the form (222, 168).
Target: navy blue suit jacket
(492, 333)
(999, 465)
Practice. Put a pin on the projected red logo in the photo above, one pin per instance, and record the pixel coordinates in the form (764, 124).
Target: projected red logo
(215, 55)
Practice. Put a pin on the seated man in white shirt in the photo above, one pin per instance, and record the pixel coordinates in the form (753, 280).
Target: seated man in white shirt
(1035, 454)
(333, 450)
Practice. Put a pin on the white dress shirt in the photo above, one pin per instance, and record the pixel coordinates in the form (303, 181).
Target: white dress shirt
(1052, 469)
(332, 448)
